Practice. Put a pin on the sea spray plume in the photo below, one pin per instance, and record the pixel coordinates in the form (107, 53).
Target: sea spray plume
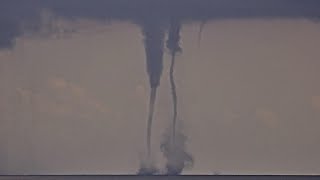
(153, 32)
(177, 157)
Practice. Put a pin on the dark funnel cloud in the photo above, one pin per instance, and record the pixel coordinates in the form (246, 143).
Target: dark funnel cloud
(173, 145)
(153, 32)
(147, 166)
(154, 43)
(174, 48)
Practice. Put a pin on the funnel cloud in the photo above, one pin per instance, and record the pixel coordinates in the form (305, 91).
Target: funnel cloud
(153, 34)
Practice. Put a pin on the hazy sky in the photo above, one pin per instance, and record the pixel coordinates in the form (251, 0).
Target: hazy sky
(74, 97)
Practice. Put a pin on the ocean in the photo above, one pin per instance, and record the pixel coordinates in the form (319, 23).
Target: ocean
(181, 177)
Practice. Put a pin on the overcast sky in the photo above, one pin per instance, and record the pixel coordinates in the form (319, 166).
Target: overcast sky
(74, 96)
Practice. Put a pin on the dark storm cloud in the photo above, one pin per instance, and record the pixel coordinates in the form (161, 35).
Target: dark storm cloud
(13, 13)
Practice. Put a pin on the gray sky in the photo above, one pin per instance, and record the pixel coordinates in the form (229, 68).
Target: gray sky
(249, 99)
(74, 97)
